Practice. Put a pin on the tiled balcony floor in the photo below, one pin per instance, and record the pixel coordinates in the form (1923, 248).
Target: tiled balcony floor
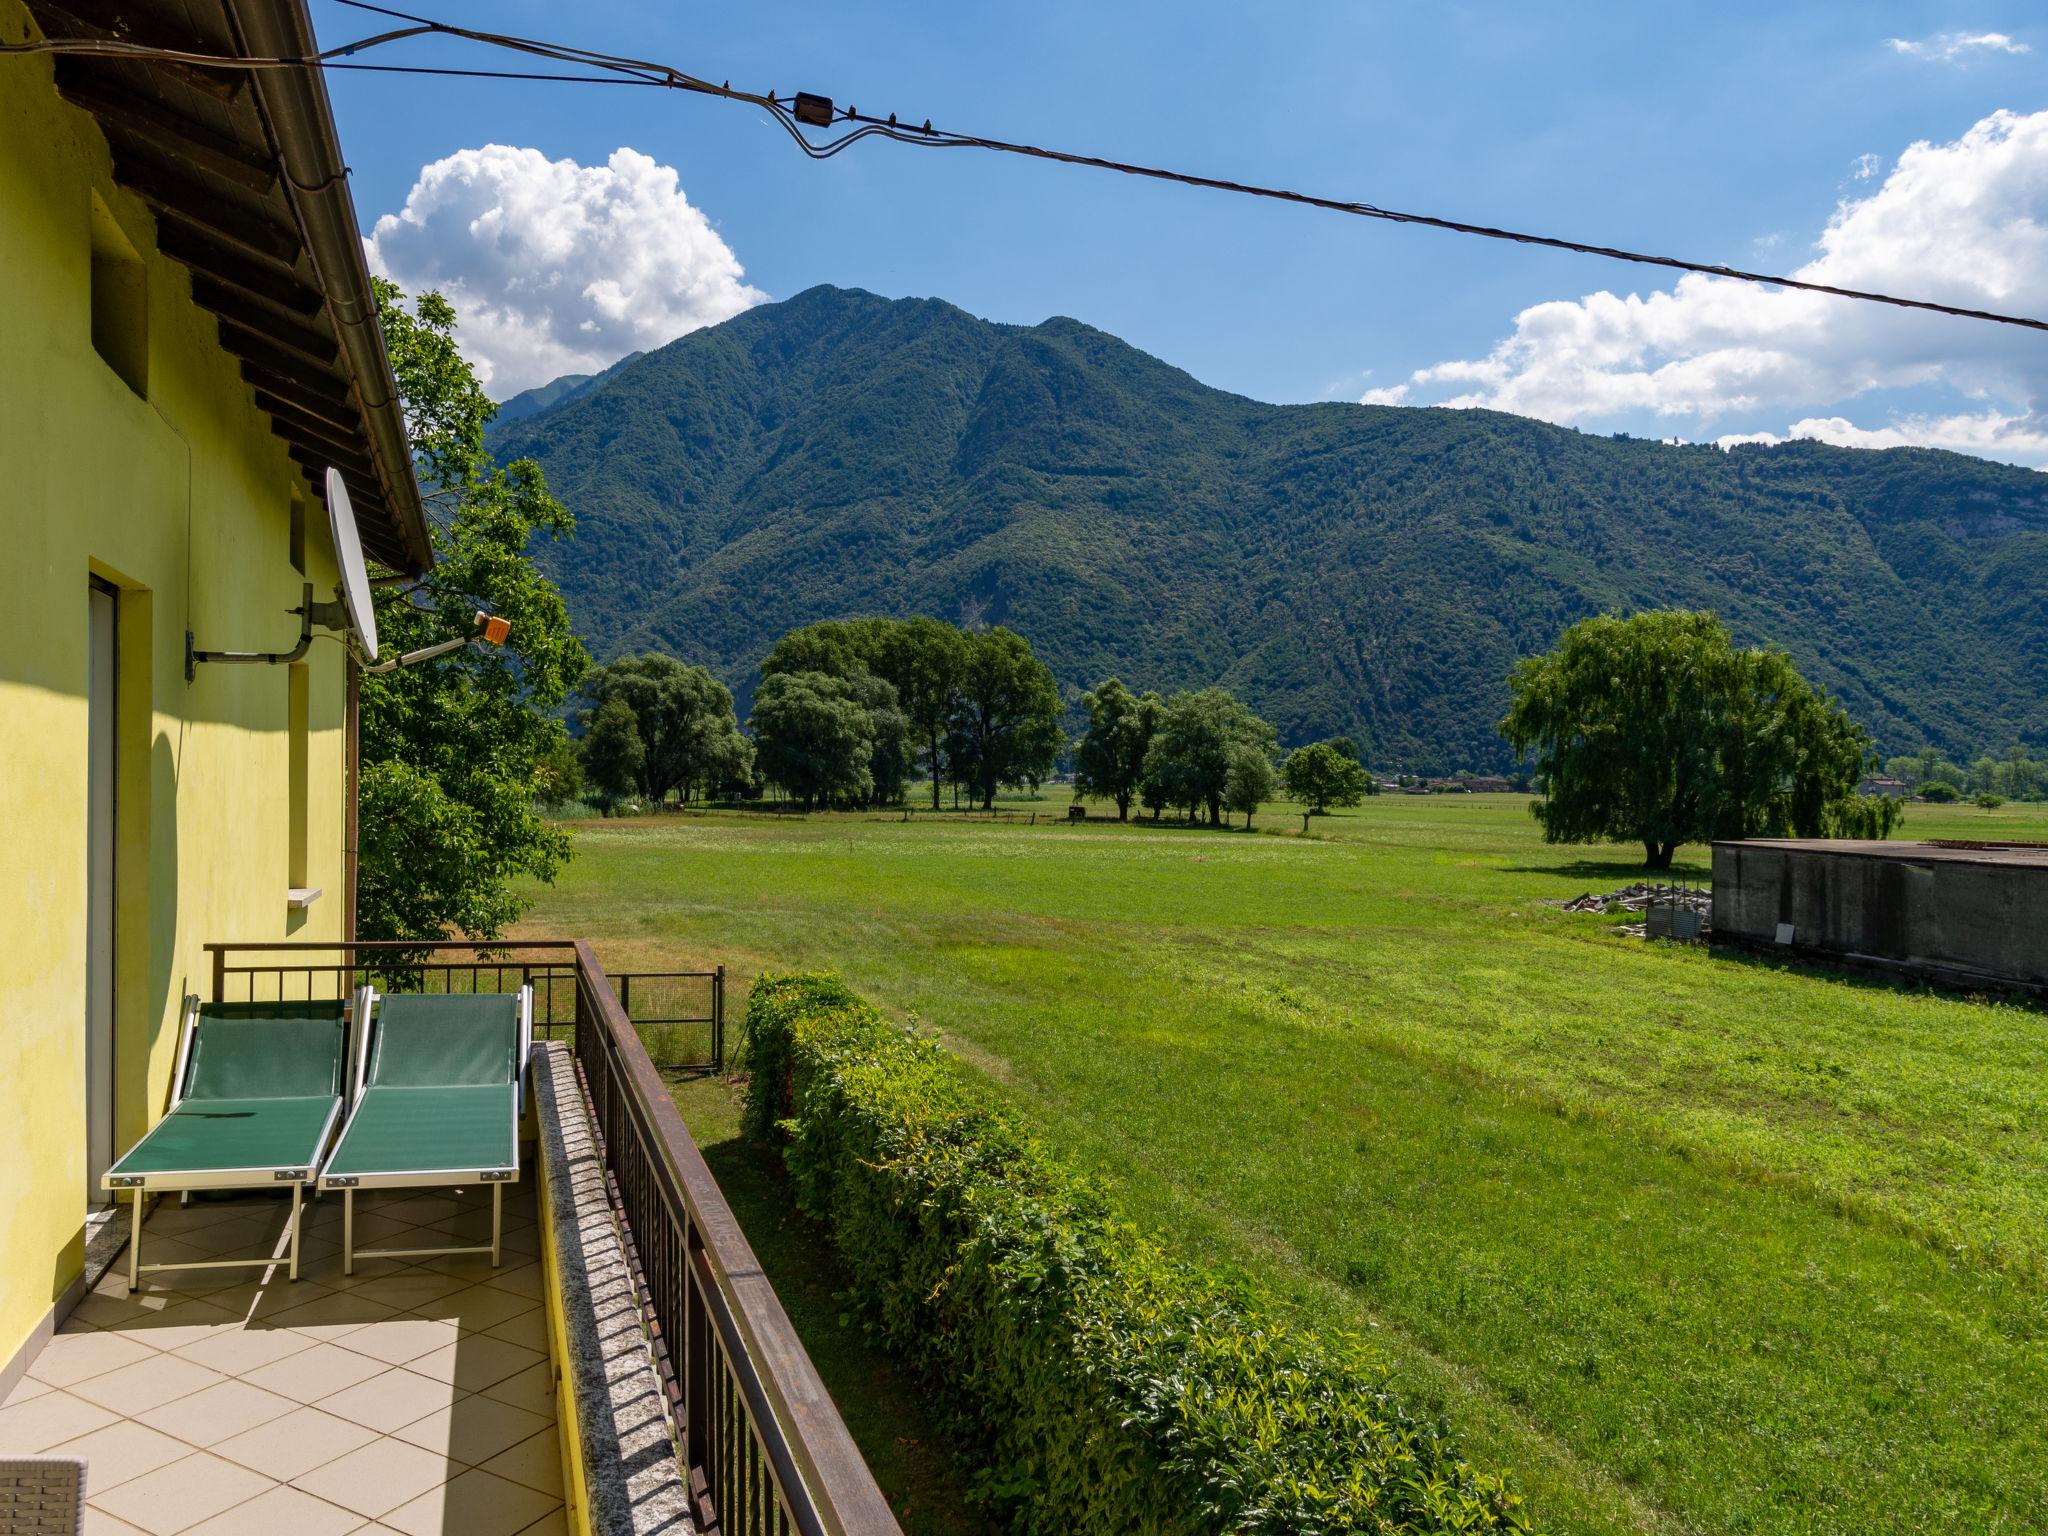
(410, 1397)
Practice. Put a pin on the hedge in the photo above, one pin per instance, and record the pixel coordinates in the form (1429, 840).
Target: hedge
(1098, 1383)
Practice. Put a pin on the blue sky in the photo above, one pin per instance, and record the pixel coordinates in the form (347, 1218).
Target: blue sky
(1730, 133)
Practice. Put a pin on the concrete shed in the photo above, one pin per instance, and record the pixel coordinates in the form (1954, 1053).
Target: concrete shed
(1963, 913)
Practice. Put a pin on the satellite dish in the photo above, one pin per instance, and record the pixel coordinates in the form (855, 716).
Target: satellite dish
(348, 555)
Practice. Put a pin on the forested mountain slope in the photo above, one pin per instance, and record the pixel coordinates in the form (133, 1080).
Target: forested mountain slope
(1370, 570)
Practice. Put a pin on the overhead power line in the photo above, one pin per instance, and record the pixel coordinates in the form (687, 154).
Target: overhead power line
(796, 112)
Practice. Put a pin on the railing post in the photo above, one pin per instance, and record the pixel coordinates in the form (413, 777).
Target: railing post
(718, 1021)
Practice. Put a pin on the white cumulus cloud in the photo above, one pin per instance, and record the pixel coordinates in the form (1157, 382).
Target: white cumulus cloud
(1962, 223)
(1954, 47)
(555, 267)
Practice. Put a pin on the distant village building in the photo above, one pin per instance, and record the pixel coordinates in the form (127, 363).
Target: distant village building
(1895, 788)
(1488, 785)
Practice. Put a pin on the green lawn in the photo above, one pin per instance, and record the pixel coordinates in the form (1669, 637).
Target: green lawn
(1694, 1243)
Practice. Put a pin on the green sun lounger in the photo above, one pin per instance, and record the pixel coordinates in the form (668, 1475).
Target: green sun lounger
(254, 1099)
(439, 1088)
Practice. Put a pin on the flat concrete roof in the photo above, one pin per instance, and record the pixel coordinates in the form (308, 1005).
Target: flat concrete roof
(1937, 851)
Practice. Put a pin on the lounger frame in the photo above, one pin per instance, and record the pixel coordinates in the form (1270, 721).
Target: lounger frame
(142, 1185)
(497, 1176)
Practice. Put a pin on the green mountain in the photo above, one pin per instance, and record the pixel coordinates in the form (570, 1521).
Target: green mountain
(529, 403)
(1346, 568)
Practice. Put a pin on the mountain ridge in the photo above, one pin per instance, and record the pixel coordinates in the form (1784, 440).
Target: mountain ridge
(1371, 570)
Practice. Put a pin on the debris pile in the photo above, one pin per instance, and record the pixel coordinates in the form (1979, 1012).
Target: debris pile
(1696, 902)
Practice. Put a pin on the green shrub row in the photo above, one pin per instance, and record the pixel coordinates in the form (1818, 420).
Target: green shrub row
(1102, 1385)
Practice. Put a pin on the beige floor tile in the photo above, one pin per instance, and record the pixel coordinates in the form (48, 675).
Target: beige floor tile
(376, 1478)
(257, 1298)
(529, 1328)
(24, 1389)
(526, 1280)
(472, 1267)
(330, 1318)
(99, 1523)
(552, 1524)
(73, 1357)
(532, 1389)
(172, 1328)
(170, 1219)
(399, 1339)
(409, 1290)
(30, 1428)
(535, 1462)
(418, 1210)
(314, 1373)
(472, 1430)
(139, 1312)
(294, 1444)
(476, 1361)
(232, 1239)
(280, 1512)
(377, 1229)
(476, 1503)
(182, 1494)
(147, 1384)
(478, 1308)
(121, 1450)
(470, 1227)
(390, 1400)
(240, 1350)
(219, 1411)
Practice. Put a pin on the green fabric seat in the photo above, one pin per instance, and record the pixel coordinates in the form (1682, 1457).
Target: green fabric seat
(437, 1106)
(218, 1135)
(262, 1087)
(259, 1093)
(439, 1091)
(460, 1129)
(427, 1041)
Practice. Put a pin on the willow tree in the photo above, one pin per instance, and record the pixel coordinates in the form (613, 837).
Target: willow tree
(1657, 729)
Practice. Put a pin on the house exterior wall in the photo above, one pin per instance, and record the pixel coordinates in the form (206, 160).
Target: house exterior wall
(184, 501)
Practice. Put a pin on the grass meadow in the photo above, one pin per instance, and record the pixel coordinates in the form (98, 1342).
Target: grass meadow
(1692, 1242)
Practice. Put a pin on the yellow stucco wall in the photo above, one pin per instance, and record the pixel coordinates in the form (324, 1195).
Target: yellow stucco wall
(183, 500)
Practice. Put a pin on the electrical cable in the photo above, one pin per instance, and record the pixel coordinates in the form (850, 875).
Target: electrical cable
(794, 112)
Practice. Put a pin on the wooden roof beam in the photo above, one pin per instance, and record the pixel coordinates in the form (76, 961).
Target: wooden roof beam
(307, 445)
(302, 379)
(311, 348)
(96, 92)
(304, 424)
(195, 245)
(237, 226)
(102, 22)
(336, 409)
(233, 304)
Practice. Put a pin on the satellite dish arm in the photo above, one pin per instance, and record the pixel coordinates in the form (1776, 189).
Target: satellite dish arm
(488, 631)
(305, 610)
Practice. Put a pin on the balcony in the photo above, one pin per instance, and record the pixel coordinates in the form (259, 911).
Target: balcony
(627, 1368)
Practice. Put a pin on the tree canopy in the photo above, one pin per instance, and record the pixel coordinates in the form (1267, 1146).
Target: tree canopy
(1656, 729)
(456, 752)
(1323, 774)
(1249, 781)
(1189, 759)
(690, 739)
(815, 737)
(1109, 759)
(613, 753)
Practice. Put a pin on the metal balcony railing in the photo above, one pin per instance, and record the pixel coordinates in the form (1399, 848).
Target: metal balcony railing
(763, 1447)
